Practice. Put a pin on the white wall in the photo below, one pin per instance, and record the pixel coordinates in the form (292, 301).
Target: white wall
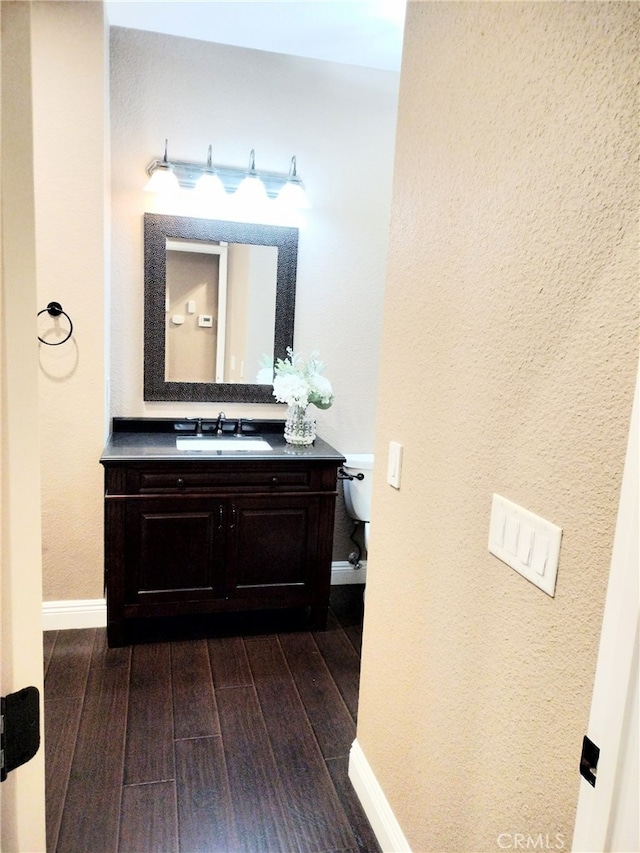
(339, 121)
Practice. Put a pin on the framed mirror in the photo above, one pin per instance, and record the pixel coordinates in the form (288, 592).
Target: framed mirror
(219, 302)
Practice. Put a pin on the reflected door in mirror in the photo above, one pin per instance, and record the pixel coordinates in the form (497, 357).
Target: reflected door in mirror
(195, 281)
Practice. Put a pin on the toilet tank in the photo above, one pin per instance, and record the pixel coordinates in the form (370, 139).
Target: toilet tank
(357, 493)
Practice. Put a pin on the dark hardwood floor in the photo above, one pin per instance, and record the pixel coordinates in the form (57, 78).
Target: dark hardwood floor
(227, 740)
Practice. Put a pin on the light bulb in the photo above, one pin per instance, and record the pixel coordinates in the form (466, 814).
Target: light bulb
(162, 181)
(251, 191)
(210, 187)
(293, 195)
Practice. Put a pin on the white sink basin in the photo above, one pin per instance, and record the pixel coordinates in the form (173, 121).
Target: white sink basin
(235, 443)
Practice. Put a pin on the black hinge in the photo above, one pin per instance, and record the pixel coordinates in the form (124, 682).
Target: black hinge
(589, 760)
(19, 729)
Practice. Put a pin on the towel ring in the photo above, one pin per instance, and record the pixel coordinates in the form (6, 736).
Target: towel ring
(54, 309)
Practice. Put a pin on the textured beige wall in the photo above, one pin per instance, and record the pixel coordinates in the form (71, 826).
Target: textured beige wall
(509, 355)
(22, 807)
(70, 115)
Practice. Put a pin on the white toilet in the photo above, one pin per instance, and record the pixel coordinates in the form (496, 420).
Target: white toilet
(357, 483)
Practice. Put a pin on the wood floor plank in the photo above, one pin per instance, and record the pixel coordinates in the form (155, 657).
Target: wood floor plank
(343, 662)
(149, 821)
(69, 665)
(195, 713)
(61, 721)
(205, 813)
(48, 643)
(360, 826)
(149, 745)
(254, 781)
(92, 807)
(103, 656)
(347, 603)
(332, 723)
(354, 635)
(261, 786)
(229, 664)
(310, 798)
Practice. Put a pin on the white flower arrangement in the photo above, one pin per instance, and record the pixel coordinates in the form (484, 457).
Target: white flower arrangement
(299, 382)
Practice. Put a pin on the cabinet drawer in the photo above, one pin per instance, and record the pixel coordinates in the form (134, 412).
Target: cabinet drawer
(193, 480)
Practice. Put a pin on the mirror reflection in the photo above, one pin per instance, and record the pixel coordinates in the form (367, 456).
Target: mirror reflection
(219, 297)
(221, 306)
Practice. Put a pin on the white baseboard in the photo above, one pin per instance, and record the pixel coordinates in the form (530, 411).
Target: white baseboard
(92, 612)
(60, 615)
(376, 807)
(344, 572)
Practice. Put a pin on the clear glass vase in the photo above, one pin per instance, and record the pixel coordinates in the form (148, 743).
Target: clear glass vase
(299, 427)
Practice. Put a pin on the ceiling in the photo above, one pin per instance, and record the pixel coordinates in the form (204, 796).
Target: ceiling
(355, 32)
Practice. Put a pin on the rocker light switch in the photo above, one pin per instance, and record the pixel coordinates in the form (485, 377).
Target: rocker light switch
(395, 464)
(526, 542)
(511, 535)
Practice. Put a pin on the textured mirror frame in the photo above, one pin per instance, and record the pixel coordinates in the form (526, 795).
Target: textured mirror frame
(157, 228)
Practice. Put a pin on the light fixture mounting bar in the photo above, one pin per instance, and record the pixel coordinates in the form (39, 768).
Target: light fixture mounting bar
(188, 173)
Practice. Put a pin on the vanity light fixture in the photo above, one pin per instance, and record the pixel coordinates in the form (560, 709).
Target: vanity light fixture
(209, 185)
(168, 176)
(251, 189)
(161, 177)
(292, 193)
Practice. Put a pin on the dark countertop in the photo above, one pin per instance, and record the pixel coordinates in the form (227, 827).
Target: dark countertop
(129, 442)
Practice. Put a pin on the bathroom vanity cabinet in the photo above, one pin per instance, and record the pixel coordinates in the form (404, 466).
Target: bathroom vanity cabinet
(190, 532)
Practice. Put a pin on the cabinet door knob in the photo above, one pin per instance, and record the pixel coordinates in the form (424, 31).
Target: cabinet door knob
(274, 481)
(180, 482)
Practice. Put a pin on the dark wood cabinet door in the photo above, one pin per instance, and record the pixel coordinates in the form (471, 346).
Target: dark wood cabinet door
(174, 549)
(273, 546)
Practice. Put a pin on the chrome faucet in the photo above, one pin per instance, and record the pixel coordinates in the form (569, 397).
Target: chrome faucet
(221, 418)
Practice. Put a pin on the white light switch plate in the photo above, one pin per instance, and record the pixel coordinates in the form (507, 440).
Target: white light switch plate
(395, 464)
(526, 542)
